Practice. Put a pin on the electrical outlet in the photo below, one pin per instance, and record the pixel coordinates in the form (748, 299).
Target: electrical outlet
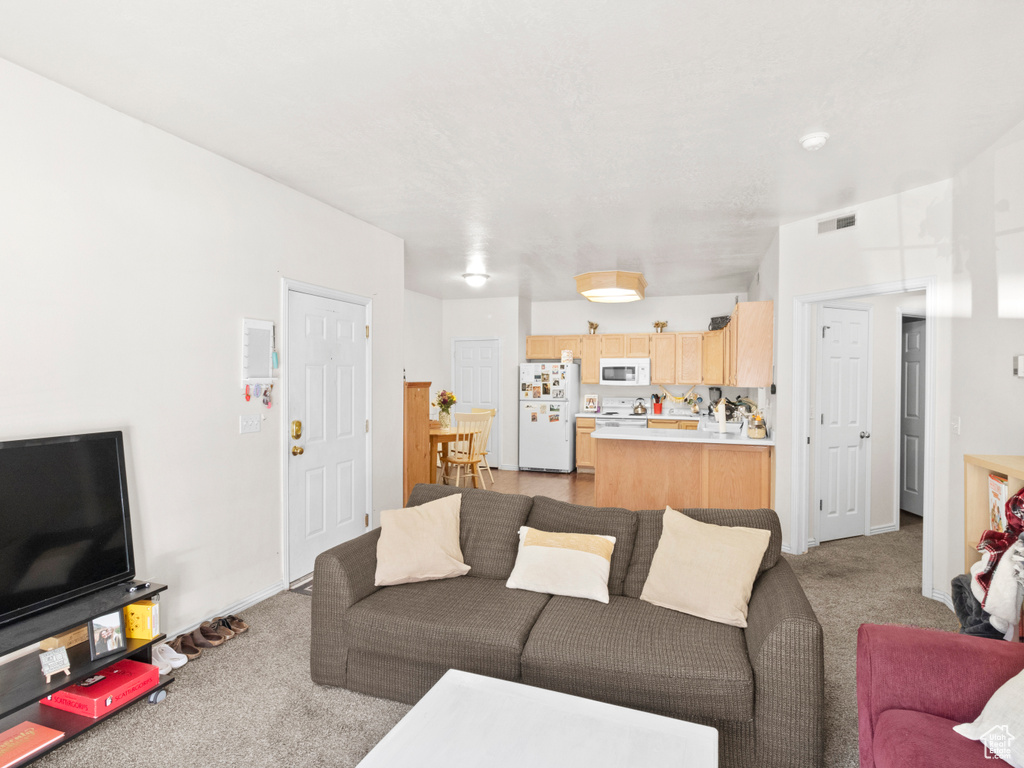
(956, 425)
(248, 424)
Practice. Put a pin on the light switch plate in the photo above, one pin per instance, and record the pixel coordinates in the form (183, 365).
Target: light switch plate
(248, 424)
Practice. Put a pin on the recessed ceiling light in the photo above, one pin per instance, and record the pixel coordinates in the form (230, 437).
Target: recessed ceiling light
(613, 287)
(475, 279)
(812, 142)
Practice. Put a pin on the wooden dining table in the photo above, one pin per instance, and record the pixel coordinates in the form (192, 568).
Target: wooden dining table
(441, 437)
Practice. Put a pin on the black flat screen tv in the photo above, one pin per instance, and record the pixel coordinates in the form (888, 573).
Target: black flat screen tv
(65, 529)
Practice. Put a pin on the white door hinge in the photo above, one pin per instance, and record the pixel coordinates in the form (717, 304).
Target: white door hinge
(367, 426)
(366, 520)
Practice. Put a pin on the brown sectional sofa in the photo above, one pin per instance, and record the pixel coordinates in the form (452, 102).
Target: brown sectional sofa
(761, 687)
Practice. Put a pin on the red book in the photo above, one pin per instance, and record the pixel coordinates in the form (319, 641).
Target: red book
(23, 740)
(107, 690)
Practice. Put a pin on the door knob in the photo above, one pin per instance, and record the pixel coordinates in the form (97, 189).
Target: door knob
(296, 430)
(296, 451)
(865, 434)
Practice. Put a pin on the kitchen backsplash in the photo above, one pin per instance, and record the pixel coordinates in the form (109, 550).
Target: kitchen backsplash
(645, 392)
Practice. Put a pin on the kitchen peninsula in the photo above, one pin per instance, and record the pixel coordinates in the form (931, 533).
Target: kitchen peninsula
(654, 468)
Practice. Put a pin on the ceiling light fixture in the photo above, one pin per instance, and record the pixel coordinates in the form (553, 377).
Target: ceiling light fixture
(475, 279)
(812, 142)
(614, 287)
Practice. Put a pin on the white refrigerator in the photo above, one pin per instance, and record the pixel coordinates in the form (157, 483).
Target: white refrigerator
(548, 398)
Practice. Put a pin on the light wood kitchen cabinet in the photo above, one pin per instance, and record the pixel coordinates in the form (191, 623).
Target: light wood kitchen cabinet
(689, 355)
(662, 424)
(663, 358)
(638, 345)
(567, 342)
(750, 344)
(584, 444)
(736, 476)
(541, 348)
(612, 344)
(713, 357)
(590, 359)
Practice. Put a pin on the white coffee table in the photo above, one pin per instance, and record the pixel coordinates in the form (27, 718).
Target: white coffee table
(471, 720)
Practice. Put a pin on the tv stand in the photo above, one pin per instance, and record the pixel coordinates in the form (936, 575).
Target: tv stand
(22, 684)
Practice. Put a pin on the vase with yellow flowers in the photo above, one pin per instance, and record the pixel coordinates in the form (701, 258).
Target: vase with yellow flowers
(444, 400)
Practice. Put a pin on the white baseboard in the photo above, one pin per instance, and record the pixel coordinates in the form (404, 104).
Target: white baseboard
(509, 467)
(942, 597)
(237, 607)
(876, 529)
(786, 549)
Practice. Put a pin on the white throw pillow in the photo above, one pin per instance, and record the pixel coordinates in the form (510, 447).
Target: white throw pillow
(705, 570)
(1000, 726)
(570, 564)
(420, 543)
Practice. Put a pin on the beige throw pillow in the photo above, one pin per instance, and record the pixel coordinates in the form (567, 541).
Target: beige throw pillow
(570, 564)
(705, 570)
(1000, 721)
(420, 543)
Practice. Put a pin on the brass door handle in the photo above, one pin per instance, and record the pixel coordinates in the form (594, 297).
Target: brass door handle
(296, 451)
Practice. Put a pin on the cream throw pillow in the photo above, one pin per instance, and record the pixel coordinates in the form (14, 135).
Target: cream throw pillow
(705, 570)
(420, 543)
(570, 564)
(1000, 726)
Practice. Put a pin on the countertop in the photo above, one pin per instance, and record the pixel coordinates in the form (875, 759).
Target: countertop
(649, 415)
(679, 436)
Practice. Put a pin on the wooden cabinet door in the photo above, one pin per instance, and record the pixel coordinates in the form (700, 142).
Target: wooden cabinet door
(735, 477)
(584, 443)
(689, 350)
(663, 358)
(416, 466)
(731, 336)
(612, 345)
(541, 348)
(590, 359)
(638, 345)
(662, 424)
(753, 343)
(567, 342)
(713, 357)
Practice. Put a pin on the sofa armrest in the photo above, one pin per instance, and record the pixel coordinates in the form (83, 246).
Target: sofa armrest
(926, 670)
(342, 576)
(784, 642)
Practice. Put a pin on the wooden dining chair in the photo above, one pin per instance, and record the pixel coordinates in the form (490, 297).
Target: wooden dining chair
(464, 450)
(486, 439)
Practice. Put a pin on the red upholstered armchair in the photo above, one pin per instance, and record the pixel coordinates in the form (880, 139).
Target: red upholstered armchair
(914, 685)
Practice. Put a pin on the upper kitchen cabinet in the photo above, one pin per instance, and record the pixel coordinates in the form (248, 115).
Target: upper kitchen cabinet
(541, 348)
(713, 357)
(590, 359)
(689, 354)
(613, 345)
(637, 345)
(567, 342)
(663, 358)
(749, 338)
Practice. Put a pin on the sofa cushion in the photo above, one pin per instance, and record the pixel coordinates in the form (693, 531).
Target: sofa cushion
(638, 655)
(648, 534)
(908, 739)
(420, 543)
(490, 523)
(571, 564)
(477, 625)
(563, 517)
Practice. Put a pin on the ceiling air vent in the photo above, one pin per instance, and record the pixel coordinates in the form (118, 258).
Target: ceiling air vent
(831, 225)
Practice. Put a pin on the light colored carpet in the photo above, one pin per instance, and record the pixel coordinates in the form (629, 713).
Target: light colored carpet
(868, 579)
(251, 702)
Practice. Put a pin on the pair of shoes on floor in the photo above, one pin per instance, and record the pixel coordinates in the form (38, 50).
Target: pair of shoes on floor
(215, 632)
(184, 645)
(166, 658)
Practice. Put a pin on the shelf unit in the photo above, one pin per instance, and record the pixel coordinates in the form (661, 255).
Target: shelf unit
(22, 684)
(976, 516)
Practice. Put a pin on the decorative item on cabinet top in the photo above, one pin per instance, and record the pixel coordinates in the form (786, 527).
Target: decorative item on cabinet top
(660, 326)
(592, 326)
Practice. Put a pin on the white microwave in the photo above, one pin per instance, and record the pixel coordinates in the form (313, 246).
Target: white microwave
(626, 371)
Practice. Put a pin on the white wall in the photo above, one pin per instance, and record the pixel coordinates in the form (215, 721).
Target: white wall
(896, 238)
(425, 356)
(684, 313)
(129, 259)
(764, 286)
(499, 319)
(988, 259)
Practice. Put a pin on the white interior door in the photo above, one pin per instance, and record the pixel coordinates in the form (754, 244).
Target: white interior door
(327, 394)
(476, 369)
(842, 456)
(912, 418)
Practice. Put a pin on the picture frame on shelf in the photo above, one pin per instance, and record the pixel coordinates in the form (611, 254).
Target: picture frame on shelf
(106, 635)
(590, 403)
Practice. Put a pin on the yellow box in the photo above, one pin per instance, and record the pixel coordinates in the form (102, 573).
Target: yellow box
(67, 639)
(142, 620)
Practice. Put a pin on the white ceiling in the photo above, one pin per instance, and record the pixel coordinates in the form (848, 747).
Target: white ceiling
(538, 138)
